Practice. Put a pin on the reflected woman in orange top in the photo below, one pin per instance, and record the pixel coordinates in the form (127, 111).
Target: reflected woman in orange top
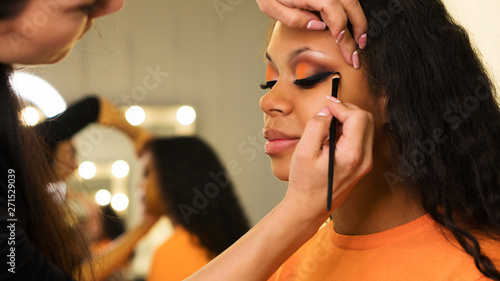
(184, 180)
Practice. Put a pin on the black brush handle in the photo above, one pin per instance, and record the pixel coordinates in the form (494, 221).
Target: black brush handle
(331, 158)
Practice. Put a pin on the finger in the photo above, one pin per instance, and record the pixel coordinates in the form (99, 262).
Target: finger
(335, 17)
(348, 47)
(315, 132)
(335, 13)
(357, 18)
(332, 12)
(340, 110)
(355, 122)
(290, 15)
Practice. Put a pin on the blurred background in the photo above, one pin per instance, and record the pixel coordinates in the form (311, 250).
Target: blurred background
(182, 68)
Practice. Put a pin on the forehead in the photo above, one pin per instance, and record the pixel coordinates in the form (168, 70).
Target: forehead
(285, 39)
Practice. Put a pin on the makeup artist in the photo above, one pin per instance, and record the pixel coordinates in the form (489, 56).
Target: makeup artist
(41, 245)
(45, 247)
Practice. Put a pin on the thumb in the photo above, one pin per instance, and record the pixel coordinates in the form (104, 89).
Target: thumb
(292, 17)
(315, 134)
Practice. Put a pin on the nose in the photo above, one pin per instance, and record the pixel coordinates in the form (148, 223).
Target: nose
(276, 102)
(108, 7)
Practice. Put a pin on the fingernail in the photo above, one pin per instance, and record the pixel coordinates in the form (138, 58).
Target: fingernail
(323, 112)
(362, 41)
(334, 99)
(340, 36)
(355, 59)
(316, 25)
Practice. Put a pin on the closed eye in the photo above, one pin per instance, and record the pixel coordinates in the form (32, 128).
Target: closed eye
(311, 81)
(268, 84)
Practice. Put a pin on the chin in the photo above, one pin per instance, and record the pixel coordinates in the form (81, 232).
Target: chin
(281, 172)
(58, 57)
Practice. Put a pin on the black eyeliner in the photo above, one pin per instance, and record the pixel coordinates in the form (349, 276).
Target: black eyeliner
(310, 81)
(331, 158)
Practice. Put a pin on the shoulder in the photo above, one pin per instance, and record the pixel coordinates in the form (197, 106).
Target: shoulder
(181, 243)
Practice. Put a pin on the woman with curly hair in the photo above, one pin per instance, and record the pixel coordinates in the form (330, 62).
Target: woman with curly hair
(417, 156)
(184, 180)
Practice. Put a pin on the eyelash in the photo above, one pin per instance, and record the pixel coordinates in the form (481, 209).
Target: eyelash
(306, 83)
(268, 85)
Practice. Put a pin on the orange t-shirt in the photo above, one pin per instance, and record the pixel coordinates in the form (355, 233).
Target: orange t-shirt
(178, 258)
(414, 251)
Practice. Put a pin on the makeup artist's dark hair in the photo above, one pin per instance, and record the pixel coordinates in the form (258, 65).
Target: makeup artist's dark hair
(11, 8)
(44, 220)
(435, 84)
(198, 192)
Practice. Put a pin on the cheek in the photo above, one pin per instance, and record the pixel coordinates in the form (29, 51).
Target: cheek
(309, 103)
(54, 41)
(63, 36)
(353, 89)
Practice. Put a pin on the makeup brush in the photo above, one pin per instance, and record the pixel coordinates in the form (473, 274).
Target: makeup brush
(331, 158)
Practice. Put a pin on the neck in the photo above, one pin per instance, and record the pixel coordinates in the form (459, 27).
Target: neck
(373, 206)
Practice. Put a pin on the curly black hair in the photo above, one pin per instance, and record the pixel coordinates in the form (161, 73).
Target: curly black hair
(444, 120)
(198, 191)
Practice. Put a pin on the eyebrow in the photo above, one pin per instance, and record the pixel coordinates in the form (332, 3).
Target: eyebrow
(293, 54)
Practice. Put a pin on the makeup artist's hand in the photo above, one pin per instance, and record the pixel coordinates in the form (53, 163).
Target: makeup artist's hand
(353, 158)
(296, 14)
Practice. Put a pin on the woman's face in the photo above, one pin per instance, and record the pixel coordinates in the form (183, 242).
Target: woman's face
(46, 30)
(149, 188)
(301, 63)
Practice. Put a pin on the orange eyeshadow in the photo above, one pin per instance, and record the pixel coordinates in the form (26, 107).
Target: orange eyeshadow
(271, 73)
(303, 70)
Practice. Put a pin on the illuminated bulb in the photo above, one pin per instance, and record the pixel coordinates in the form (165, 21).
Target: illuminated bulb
(87, 170)
(39, 92)
(120, 169)
(103, 197)
(30, 116)
(119, 202)
(186, 115)
(135, 115)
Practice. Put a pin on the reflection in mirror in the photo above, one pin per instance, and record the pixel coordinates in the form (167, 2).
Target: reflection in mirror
(109, 169)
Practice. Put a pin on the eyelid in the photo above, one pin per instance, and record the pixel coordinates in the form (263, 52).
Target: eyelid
(313, 79)
(303, 69)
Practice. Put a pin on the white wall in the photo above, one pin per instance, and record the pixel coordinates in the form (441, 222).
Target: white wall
(482, 20)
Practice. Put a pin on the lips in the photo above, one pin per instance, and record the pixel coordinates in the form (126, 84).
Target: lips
(278, 142)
